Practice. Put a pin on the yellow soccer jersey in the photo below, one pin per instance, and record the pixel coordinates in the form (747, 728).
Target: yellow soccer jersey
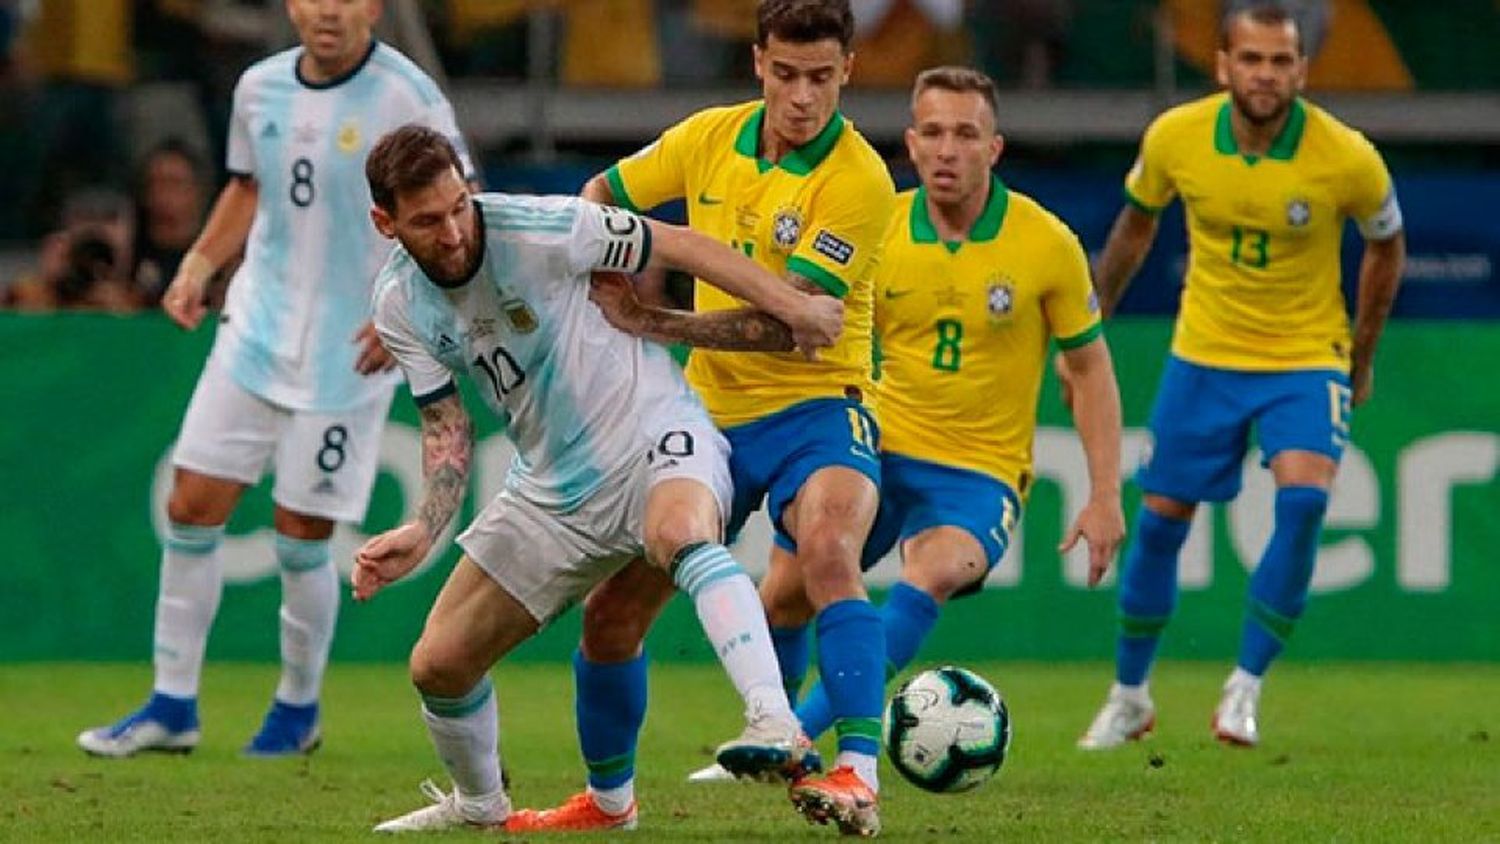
(1262, 288)
(819, 212)
(964, 328)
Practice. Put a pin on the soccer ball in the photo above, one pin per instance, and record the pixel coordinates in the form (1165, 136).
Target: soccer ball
(946, 730)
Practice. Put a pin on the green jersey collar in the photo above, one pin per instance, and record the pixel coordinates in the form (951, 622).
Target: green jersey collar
(987, 227)
(1282, 148)
(801, 160)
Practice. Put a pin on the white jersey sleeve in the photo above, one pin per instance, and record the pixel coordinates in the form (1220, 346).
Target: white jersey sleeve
(428, 378)
(608, 238)
(240, 154)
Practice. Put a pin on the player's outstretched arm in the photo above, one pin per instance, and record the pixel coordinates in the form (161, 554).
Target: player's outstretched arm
(447, 446)
(1096, 414)
(736, 330)
(222, 238)
(1129, 241)
(815, 321)
(1379, 279)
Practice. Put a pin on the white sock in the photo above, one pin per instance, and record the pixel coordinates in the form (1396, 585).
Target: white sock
(187, 600)
(734, 621)
(1136, 694)
(466, 732)
(1241, 677)
(864, 765)
(309, 610)
(614, 801)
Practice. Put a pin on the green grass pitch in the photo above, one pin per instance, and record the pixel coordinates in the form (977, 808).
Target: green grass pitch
(1369, 752)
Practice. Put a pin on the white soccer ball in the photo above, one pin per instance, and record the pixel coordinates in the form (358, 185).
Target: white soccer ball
(947, 729)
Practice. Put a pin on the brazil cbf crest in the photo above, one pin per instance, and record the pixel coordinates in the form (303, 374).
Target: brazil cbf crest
(1000, 298)
(786, 229)
(1298, 213)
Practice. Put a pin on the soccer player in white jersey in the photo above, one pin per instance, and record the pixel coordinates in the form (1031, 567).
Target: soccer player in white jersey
(616, 457)
(297, 380)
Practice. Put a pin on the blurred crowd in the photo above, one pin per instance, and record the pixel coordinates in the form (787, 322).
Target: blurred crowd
(102, 192)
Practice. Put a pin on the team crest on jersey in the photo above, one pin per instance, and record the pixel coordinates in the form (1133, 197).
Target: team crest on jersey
(1298, 213)
(786, 229)
(520, 315)
(1000, 298)
(349, 139)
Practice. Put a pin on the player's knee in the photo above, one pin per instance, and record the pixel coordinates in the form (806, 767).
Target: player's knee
(613, 629)
(672, 533)
(186, 509)
(442, 670)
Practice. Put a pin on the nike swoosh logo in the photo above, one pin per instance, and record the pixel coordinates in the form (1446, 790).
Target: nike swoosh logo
(896, 294)
(705, 199)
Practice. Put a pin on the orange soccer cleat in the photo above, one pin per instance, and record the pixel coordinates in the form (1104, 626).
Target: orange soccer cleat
(841, 797)
(578, 813)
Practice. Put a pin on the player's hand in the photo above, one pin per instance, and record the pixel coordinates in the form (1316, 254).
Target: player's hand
(616, 297)
(183, 300)
(373, 356)
(816, 324)
(1102, 526)
(387, 558)
(1064, 380)
(1361, 383)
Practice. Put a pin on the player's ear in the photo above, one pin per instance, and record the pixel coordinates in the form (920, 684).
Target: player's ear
(757, 59)
(997, 146)
(383, 221)
(911, 143)
(1221, 67)
(848, 67)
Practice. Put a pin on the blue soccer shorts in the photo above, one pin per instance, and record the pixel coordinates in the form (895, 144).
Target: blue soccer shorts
(772, 458)
(1203, 419)
(917, 494)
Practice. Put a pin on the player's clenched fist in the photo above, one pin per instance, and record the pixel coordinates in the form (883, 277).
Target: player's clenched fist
(817, 324)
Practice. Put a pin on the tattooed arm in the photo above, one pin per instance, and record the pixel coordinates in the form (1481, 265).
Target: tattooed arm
(447, 446)
(736, 330)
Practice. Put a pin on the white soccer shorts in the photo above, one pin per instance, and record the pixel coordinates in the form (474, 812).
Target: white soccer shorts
(324, 463)
(548, 560)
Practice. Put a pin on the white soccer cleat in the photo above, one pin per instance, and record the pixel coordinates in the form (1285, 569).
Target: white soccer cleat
(770, 749)
(1236, 719)
(135, 734)
(712, 773)
(1126, 716)
(447, 811)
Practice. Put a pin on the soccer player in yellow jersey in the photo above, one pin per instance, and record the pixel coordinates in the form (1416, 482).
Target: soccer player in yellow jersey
(975, 283)
(1262, 342)
(788, 181)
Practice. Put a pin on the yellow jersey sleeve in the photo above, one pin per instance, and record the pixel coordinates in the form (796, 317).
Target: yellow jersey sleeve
(1069, 304)
(849, 219)
(1371, 200)
(1148, 185)
(658, 173)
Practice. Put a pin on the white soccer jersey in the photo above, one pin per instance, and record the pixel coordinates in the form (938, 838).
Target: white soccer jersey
(579, 398)
(304, 288)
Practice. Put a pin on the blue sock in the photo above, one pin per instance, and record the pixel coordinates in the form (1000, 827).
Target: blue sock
(851, 666)
(1278, 589)
(610, 708)
(174, 713)
(1148, 593)
(908, 616)
(793, 655)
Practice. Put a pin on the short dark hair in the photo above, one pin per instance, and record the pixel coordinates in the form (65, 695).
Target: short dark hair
(407, 158)
(961, 80)
(1265, 14)
(804, 21)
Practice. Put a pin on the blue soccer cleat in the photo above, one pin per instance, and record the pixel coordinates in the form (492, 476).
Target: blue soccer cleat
(289, 730)
(165, 725)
